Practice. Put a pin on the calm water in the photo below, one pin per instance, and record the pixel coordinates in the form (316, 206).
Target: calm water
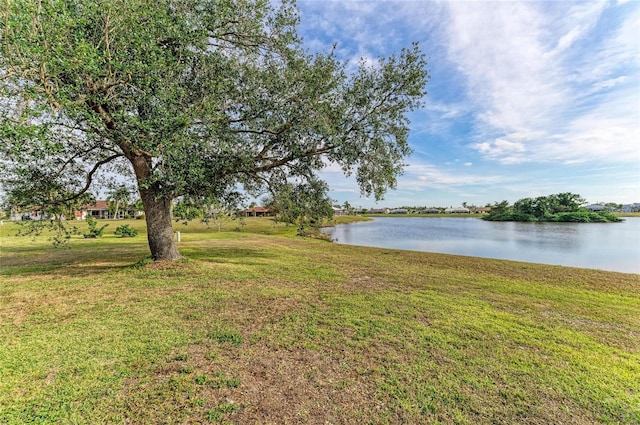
(606, 246)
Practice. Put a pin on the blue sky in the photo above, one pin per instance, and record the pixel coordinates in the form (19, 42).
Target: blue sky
(525, 98)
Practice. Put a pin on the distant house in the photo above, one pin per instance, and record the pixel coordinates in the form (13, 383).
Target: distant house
(379, 211)
(21, 215)
(100, 210)
(595, 207)
(460, 210)
(257, 212)
(430, 211)
(339, 211)
(398, 211)
(481, 210)
(635, 207)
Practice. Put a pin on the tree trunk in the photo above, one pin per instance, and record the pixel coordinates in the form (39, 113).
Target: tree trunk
(157, 209)
(157, 213)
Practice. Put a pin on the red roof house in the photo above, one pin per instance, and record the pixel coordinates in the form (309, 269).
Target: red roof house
(257, 212)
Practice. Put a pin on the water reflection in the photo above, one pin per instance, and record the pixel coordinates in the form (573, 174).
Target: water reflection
(607, 246)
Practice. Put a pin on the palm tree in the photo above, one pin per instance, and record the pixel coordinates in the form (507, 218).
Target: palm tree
(119, 195)
(347, 207)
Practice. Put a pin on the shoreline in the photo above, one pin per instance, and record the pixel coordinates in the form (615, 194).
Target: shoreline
(547, 243)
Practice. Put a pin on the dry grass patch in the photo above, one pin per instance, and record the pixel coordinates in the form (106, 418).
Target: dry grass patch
(264, 385)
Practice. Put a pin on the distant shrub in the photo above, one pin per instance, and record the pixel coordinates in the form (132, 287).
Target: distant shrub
(608, 216)
(94, 231)
(523, 217)
(312, 232)
(584, 217)
(125, 231)
(571, 217)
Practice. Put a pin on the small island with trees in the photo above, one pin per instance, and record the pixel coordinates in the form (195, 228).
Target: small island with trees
(561, 207)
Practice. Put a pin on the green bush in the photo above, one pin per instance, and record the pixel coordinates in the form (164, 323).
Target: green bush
(573, 217)
(585, 217)
(608, 216)
(94, 231)
(125, 231)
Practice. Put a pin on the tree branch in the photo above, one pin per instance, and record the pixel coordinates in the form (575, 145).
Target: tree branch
(89, 179)
(283, 161)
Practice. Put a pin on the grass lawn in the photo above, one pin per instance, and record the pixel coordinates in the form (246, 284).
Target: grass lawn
(260, 326)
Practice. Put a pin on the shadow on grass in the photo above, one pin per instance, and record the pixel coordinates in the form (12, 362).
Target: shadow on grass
(226, 254)
(76, 269)
(70, 262)
(26, 261)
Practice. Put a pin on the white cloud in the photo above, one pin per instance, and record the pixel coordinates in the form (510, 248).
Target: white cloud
(568, 39)
(533, 101)
(607, 84)
(420, 175)
(503, 150)
(445, 111)
(437, 117)
(575, 22)
(510, 76)
(366, 28)
(604, 135)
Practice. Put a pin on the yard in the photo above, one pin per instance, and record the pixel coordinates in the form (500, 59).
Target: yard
(259, 326)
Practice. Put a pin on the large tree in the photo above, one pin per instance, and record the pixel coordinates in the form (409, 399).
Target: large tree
(195, 98)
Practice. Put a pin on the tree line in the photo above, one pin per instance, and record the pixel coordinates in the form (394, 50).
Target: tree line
(561, 207)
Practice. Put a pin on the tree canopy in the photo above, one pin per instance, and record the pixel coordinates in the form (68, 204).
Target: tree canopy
(189, 98)
(302, 204)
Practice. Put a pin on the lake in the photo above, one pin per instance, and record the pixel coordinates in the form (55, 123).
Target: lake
(605, 246)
